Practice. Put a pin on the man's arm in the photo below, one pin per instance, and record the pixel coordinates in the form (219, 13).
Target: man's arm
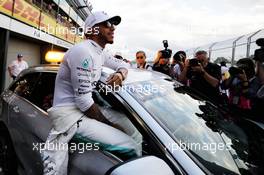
(9, 68)
(95, 113)
(9, 71)
(119, 66)
(118, 77)
(81, 79)
(82, 83)
(114, 63)
(210, 79)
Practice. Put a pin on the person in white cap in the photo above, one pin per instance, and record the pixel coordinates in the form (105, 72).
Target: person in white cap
(74, 113)
(17, 66)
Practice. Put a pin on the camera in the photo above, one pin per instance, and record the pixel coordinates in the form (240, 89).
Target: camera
(165, 44)
(234, 71)
(166, 53)
(190, 73)
(194, 62)
(259, 53)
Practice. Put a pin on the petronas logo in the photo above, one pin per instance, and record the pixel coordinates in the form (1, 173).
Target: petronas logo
(85, 63)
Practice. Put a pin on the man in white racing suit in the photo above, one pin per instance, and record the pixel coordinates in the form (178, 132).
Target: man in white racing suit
(74, 113)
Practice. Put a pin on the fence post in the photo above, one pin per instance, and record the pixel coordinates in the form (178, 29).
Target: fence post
(234, 49)
(249, 42)
(210, 49)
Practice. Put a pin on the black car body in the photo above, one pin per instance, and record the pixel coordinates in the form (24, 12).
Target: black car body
(177, 126)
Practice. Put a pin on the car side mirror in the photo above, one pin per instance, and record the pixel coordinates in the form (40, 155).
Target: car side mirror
(141, 166)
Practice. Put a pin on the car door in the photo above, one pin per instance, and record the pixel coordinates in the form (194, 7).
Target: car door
(28, 121)
(151, 145)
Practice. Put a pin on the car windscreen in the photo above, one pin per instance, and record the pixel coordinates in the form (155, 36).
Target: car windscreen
(215, 138)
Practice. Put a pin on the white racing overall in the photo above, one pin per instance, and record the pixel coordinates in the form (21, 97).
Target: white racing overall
(80, 70)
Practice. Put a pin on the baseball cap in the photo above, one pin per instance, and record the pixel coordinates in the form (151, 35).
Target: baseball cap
(19, 55)
(98, 17)
(180, 55)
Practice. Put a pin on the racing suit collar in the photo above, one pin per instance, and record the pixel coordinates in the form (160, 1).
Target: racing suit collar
(97, 46)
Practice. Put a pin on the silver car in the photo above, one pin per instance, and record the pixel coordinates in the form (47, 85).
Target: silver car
(188, 133)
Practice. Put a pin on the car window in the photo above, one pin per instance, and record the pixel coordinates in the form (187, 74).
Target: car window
(42, 94)
(25, 85)
(38, 88)
(215, 138)
(114, 112)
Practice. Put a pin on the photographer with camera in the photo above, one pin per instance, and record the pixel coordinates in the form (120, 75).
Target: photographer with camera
(202, 75)
(162, 60)
(256, 86)
(238, 83)
(177, 64)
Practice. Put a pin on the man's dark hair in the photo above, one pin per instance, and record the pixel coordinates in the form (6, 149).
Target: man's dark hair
(179, 56)
(223, 63)
(248, 66)
(141, 51)
(201, 52)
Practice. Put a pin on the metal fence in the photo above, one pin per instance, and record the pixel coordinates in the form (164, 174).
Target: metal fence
(231, 50)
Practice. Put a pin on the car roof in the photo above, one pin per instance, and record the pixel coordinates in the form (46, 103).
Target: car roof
(134, 75)
(138, 75)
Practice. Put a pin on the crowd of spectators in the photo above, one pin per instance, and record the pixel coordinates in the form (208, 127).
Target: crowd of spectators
(51, 9)
(240, 87)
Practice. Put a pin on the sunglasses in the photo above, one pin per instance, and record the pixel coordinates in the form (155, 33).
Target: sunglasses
(140, 57)
(108, 24)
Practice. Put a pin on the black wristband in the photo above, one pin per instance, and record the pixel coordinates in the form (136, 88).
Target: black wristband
(123, 77)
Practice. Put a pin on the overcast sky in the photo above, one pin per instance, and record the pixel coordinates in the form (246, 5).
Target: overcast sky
(184, 23)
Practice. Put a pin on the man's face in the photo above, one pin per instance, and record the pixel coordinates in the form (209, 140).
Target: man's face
(202, 58)
(140, 58)
(106, 32)
(19, 58)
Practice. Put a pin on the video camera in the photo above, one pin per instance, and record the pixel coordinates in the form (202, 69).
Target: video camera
(166, 53)
(235, 71)
(192, 63)
(259, 53)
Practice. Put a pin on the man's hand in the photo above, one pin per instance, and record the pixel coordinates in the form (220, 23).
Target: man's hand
(210, 79)
(94, 113)
(115, 79)
(198, 68)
